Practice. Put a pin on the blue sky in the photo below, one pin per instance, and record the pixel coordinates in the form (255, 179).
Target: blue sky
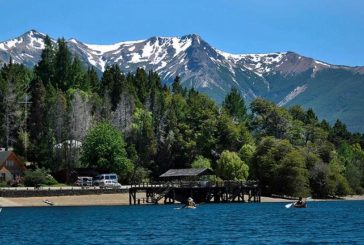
(328, 30)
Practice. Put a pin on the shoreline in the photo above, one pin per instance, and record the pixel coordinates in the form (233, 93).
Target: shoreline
(120, 199)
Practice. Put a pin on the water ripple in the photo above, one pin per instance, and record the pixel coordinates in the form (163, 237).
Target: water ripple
(264, 223)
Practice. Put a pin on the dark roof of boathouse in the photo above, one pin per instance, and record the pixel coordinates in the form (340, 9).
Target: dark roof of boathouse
(187, 172)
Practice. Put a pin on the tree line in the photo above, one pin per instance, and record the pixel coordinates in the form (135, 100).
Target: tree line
(136, 126)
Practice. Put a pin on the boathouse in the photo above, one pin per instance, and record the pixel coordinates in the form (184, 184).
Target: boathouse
(180, 184)
(186, 174)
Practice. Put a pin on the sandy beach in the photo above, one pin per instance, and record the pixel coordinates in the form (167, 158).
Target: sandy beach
(107, 199)
(82, 200)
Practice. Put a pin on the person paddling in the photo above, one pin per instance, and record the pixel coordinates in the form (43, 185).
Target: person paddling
(300, 203)
(190, 203)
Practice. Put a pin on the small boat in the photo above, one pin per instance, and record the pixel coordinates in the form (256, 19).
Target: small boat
(300, 205)
(48, 202)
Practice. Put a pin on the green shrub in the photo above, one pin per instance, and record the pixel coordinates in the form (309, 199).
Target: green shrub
(50, 180)
(3, 184)
(35, 178)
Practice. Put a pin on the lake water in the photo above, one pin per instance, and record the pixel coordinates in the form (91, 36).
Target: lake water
(254, 223)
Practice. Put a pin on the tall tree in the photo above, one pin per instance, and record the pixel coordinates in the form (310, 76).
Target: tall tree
(45, 67)
(123, 115)
(141, 83)
(143, 137)
(339, 133)
(77, 76)
(62, 66)
(234, 104)
(104, 148)
(269, 119)
(37, 122)
(291, 177)
(112, 84)
(79, 115)
(231, 167)
(268, 155)
(91, 80)
(15, 82)
(176, 86)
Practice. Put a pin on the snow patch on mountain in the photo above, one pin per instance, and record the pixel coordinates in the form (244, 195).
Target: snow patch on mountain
(228, 56)
(37, 43)
(12, 43)
(102, 49)
(322, 63)
(180, 45)
(260, 64)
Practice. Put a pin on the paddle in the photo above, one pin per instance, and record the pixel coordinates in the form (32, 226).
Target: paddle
(289, 205)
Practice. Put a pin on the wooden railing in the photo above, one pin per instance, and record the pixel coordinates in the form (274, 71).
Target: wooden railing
(196, 184)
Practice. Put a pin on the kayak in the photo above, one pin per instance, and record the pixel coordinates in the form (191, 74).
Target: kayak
(303, 205)
(48, 202)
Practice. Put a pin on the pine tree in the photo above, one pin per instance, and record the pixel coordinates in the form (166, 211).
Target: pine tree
(112, 84)
(176, 86)
(15, 82)
(91, 81)
(37, 121)
(77, 75)
(234, 105)
(141, 84)
(45, 67)
(62, 66)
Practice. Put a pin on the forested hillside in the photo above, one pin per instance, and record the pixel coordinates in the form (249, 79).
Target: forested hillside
(135, 126)
(285, 78)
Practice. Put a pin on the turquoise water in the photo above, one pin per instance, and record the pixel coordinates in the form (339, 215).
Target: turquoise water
(259, 223)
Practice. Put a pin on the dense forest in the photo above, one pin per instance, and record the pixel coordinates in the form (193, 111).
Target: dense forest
(63, 116)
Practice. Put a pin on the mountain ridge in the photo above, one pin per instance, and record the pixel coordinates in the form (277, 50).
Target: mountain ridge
(286, 78)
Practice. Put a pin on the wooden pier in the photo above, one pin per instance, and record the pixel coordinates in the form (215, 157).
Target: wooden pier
(200, 191)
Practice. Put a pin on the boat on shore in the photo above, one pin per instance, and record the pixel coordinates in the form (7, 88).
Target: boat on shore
(48, 202)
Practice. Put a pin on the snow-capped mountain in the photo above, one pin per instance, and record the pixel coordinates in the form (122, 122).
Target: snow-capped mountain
(283, 77)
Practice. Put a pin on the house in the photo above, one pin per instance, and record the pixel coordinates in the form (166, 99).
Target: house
(11, 167)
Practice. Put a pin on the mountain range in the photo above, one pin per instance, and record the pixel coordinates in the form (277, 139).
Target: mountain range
(286, 78)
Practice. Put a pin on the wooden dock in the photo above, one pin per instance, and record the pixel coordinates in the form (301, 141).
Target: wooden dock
(200, 191)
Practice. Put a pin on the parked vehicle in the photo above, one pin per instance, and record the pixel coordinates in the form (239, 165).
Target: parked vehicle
(103, 179)
(84, 181)
(111, 184)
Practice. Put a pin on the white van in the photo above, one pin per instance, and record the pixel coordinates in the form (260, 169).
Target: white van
(104, 180)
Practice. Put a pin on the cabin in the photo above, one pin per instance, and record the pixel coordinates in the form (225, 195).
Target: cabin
(11, 167)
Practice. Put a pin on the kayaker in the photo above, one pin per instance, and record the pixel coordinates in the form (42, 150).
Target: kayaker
(190, 202)
(300, 202)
